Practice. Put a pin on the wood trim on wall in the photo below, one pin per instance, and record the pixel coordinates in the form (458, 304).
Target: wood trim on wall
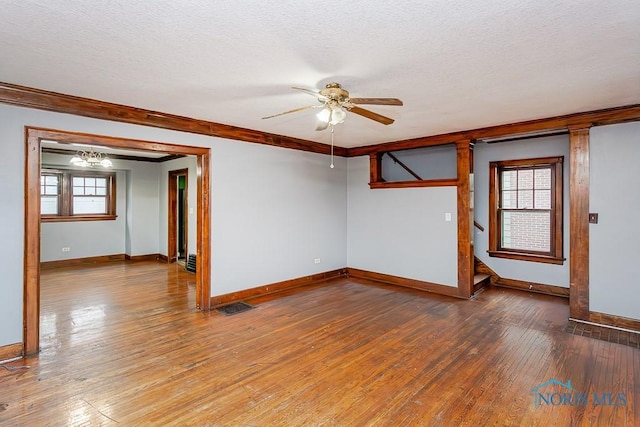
(140, 258)
(605, 116)
(11, 351)
(465, 254)
(33, 136)
(23, 96)
(539, 288)
(579, 222)
(404, 282)
(614, 321)
(74, 262)
(31, 293)
(203, 231)
(219, 300)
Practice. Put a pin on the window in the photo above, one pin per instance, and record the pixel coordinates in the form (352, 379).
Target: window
(525, 199)
(69, 195)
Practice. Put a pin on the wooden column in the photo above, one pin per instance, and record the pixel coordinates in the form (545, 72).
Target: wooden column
(375, 168)
(579, 222)
(31, 290)
(465, 256)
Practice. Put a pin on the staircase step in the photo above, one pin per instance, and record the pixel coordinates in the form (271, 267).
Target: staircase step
(480, 280)
(480, 277)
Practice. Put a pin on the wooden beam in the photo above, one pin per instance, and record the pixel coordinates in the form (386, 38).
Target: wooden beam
(606, 116)
(465, 256)
(23, 96)
(579, 222)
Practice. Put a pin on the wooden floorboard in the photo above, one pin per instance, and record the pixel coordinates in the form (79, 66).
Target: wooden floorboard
(122, 344)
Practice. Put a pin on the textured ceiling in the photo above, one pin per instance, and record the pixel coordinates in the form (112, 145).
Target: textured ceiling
(457, 65)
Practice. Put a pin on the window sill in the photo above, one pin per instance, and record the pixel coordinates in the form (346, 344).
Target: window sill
(78, 218)
(527, 257)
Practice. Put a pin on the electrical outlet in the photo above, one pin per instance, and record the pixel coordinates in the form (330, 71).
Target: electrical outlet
(317, 260)
(66, 249)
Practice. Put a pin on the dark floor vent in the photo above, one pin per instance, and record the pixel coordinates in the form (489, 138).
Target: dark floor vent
(234, 308)
(191, 264)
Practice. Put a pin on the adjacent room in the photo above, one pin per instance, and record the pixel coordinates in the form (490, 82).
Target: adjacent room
(343, 214)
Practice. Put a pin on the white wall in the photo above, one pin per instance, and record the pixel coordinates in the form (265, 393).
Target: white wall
(273, 210)
(614, 248)
(551, 146)
(144, 208)
(401, 232)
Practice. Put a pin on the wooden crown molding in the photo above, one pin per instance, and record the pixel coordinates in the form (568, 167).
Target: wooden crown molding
(23, 96)
(582, 120)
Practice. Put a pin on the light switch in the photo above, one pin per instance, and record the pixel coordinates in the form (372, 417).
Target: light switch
(593, 218)
(447, 216)
(190, 211)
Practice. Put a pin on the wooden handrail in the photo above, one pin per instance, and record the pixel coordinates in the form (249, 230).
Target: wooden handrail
(405, 167)
(478, 226)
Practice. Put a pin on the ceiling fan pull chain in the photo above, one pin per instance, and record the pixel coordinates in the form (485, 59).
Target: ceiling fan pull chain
(331, 166)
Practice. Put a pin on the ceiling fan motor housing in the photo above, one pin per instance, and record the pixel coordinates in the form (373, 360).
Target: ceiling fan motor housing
(335, 92)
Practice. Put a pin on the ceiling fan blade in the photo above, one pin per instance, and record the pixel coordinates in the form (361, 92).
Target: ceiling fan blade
(376, 101)
(311, 92)
(371, 115)
(293, 111)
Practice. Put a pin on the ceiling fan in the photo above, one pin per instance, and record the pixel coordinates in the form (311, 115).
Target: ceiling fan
(335, 103)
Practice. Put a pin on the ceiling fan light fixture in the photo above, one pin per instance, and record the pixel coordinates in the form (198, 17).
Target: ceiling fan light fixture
(324, 115)
(337, 115)
(332, 114)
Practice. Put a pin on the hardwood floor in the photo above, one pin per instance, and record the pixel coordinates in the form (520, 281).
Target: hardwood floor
(123, 344)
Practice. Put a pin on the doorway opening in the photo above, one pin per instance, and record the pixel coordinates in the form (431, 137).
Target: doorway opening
(179, 211)
(34, 139)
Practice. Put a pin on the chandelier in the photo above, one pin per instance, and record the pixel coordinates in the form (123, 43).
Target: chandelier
(90, 159)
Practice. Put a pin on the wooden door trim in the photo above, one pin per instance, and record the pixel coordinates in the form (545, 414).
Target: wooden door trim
(172, 213)
(33, 138)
